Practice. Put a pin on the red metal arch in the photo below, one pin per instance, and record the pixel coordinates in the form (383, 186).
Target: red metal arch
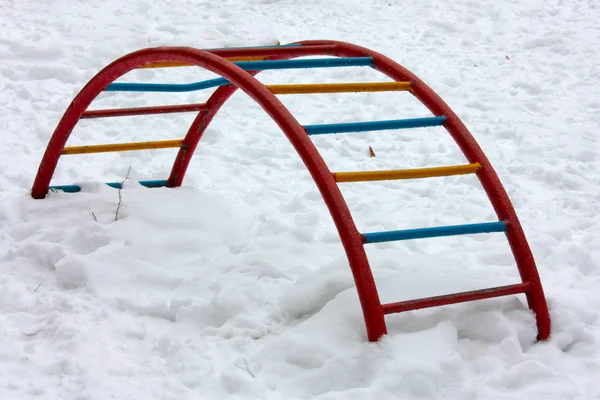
(351, 239)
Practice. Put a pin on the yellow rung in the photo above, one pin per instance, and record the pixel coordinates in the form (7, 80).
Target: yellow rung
(169, 64)
(165, 64)
(248, 58)
(339, 87)
(405, 173)
(106, 148)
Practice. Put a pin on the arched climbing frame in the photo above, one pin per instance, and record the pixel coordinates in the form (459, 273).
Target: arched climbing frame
(237, 67)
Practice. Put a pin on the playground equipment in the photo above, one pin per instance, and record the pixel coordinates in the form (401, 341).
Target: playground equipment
(237, 67)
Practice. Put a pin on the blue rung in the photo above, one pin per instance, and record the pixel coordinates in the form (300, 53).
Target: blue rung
(374, 125)
(246, 65)
(66, 188)
(116, 185)
(166, 87)
(452, 230)
(148, 184)
(305, 63)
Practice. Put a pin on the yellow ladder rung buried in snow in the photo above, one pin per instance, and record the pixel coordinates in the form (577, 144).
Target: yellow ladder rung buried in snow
(406, 173)
(106, 148)
(312, 88)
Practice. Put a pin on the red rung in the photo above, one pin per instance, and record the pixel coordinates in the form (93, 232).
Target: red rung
(121, 112)
(462, 297)
(291, 51)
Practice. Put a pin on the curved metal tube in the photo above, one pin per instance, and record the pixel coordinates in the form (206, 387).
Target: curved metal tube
(351, 239)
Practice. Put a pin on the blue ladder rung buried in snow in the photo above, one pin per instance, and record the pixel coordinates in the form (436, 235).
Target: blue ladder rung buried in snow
(116, 185)
(246, 65)
(374, 125)
(452, 230)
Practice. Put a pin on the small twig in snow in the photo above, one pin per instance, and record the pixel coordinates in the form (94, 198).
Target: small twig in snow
(246, 368)
(120, 203)
(93, 216)
(31, 334)
(38, 286)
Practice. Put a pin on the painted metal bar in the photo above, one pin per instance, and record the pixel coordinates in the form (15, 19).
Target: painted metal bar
(364, 176)
(374, 125)
(234, 54)
(438, 231)
(122, 112)
(305, 63)
(166, 87)
(220, 51)
(107, 148)
(116, 185)
(273, 46)
(278, 52)
(173, 64)
(462, 297)
(339, 87)
(247, 58)
(229, 50)
(245, 65)
(149, 184)
(66, 188)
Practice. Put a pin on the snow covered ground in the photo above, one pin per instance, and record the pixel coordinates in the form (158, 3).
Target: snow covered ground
(235, 285)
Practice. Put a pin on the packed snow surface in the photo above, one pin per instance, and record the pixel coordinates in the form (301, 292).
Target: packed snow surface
(236, 286)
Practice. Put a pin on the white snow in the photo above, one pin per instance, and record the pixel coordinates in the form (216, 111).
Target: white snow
(235, 285)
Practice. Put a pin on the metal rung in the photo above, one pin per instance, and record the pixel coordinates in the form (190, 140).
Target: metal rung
(166, 87)
(462, 297)
(167, 64)
(121, 112)
(339, 87)
(452, 230)
(107, 148)
(116, 185)
(374, 125)
(364, 176)
(273, 46)
(246, 65)
(306, 63)
(172, 64)
(235, 54)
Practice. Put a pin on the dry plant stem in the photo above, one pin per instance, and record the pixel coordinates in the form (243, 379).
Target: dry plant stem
(120, 203)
